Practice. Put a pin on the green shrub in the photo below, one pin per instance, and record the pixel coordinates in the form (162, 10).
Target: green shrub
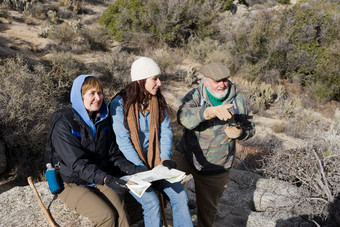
(313, 54)
(122, 18)
(326, 81)
(172, 22)
(227, 4)
(298, 43)
(247, 41)
(283, 1)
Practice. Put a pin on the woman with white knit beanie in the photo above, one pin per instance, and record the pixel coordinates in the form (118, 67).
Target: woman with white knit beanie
(141, 123)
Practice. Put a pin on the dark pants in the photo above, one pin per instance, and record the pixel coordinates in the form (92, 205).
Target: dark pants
(208, 189)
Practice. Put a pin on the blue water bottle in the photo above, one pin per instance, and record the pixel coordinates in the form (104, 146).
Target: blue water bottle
(53, 184)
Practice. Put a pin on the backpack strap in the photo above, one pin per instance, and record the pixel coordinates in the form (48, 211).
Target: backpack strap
(50, 154)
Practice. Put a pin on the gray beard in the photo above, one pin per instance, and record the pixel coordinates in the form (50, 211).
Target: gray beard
(217, 94)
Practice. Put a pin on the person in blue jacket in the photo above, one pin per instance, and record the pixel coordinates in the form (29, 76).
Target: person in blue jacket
(90, 158)
(141, 123)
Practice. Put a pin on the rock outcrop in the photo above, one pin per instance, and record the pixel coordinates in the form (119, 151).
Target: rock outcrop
(248, 200)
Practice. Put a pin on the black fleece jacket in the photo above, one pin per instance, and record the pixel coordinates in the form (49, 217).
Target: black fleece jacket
(84, 159)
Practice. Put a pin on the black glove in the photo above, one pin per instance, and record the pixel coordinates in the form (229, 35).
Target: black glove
(134, 169)
(116, 184)
(169, 163)
(140, 169)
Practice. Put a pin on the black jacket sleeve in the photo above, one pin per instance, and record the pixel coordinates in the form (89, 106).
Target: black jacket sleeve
(118, 159)
(75, 161)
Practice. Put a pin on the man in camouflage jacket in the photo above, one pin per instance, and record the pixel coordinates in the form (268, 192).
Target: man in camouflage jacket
(214, 115)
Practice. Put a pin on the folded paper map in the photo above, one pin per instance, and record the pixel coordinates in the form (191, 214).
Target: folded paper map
(141, 181)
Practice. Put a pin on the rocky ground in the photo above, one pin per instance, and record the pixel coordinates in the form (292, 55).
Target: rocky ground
(249, 200)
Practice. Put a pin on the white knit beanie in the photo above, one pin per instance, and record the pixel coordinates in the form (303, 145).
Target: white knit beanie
(144, 68)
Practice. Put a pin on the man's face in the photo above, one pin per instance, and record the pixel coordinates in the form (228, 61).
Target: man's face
(218, 89)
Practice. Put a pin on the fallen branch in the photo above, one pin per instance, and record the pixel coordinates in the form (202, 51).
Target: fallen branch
(47, 214)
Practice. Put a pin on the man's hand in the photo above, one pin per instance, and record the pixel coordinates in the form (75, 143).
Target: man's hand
(221, 112)
(233, 132)
(116, 184)
(169, 163)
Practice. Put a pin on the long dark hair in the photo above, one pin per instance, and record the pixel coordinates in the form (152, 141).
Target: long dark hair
(135, 93)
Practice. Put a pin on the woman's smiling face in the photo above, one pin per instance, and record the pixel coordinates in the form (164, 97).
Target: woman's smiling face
(93, 100)
(152, 84)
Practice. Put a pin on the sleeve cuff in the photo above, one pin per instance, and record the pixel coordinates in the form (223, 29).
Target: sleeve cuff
(100, 179)
(164, 160)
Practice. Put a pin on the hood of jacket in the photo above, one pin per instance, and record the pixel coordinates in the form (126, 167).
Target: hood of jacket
(78, 104)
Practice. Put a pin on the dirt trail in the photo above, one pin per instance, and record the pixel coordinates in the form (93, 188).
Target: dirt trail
(20, 34)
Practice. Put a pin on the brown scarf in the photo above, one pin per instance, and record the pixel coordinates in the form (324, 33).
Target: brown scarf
(153, 155)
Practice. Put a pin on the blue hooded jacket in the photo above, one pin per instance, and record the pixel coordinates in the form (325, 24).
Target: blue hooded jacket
(78, 104)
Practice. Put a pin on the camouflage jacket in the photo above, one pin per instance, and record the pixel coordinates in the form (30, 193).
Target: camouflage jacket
(204, 143)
